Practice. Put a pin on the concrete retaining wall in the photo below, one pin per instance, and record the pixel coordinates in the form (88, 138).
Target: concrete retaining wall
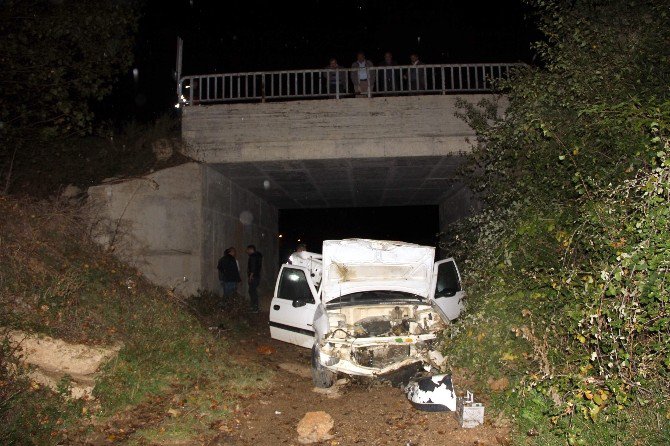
(174, 224)
(153, 224)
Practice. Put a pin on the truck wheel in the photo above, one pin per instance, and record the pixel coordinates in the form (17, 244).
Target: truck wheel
(322, 377)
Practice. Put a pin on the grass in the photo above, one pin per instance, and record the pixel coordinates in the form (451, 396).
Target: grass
(199, 409)
(54, 281)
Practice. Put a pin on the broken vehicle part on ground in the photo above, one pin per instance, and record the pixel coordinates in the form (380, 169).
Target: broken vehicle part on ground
(432, 393)
(367, 308)
(437, 394)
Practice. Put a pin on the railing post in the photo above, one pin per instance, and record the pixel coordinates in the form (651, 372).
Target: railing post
(337, 84)
(262, 88)
(444, 91)
(367, 70)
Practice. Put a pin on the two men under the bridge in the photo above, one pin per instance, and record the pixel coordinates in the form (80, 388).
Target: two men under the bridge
(229, 275)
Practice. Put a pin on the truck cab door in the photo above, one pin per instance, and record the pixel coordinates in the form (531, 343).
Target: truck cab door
(293, 306)
(446, 291)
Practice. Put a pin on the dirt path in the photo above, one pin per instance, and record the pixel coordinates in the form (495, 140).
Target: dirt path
(377, 415)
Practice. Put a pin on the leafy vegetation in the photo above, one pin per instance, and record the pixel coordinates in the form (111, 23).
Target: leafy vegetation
(568, 268)
(85, 161)
(57, 60)
(54, 281)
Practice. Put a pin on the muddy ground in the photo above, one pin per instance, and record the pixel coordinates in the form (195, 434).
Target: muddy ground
(363, 414)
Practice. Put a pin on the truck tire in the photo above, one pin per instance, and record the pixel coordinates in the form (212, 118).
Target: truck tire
(322, 377)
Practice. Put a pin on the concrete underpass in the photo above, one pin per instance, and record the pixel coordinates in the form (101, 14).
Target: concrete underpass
(253, 159)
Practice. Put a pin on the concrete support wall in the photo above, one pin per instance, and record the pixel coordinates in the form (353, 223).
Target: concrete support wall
(174, 224)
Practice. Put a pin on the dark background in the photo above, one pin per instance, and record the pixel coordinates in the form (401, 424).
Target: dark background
(234, 36)
(414, 224)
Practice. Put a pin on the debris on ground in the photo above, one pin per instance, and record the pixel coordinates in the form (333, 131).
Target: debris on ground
(432, 393)
(265, 350)
(51, 360)
(315, 427)
(468, 412)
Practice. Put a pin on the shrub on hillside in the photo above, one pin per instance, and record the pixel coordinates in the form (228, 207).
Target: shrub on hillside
(567, 269)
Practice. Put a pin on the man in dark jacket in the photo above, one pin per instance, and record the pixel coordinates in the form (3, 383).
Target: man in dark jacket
(254, 275)
(417, 76)
(229, 273)
(389, 80)
(336, 76)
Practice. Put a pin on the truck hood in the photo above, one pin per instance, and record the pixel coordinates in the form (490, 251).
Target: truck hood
(356, 265)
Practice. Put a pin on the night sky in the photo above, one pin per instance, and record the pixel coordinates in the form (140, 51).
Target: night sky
(229, 36)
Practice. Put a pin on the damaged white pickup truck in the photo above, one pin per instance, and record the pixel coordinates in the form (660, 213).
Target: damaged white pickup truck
(366, 308)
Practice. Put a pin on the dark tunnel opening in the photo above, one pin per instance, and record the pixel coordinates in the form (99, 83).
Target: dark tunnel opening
(413, 224)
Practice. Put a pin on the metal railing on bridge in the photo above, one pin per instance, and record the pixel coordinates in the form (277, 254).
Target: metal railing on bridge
(337, 83)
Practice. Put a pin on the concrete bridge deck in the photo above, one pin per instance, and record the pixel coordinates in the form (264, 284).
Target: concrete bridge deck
(379, 127)
(380, 151)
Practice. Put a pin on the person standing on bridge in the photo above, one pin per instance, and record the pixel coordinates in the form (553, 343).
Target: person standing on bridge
(254, 266)
(361, 75)
(417, 81)
(388, 74)
(336, 77)
(229, 274)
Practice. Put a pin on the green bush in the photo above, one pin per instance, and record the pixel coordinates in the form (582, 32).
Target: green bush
(567, 269)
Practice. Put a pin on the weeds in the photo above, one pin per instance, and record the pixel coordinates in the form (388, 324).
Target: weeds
(54, 281)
